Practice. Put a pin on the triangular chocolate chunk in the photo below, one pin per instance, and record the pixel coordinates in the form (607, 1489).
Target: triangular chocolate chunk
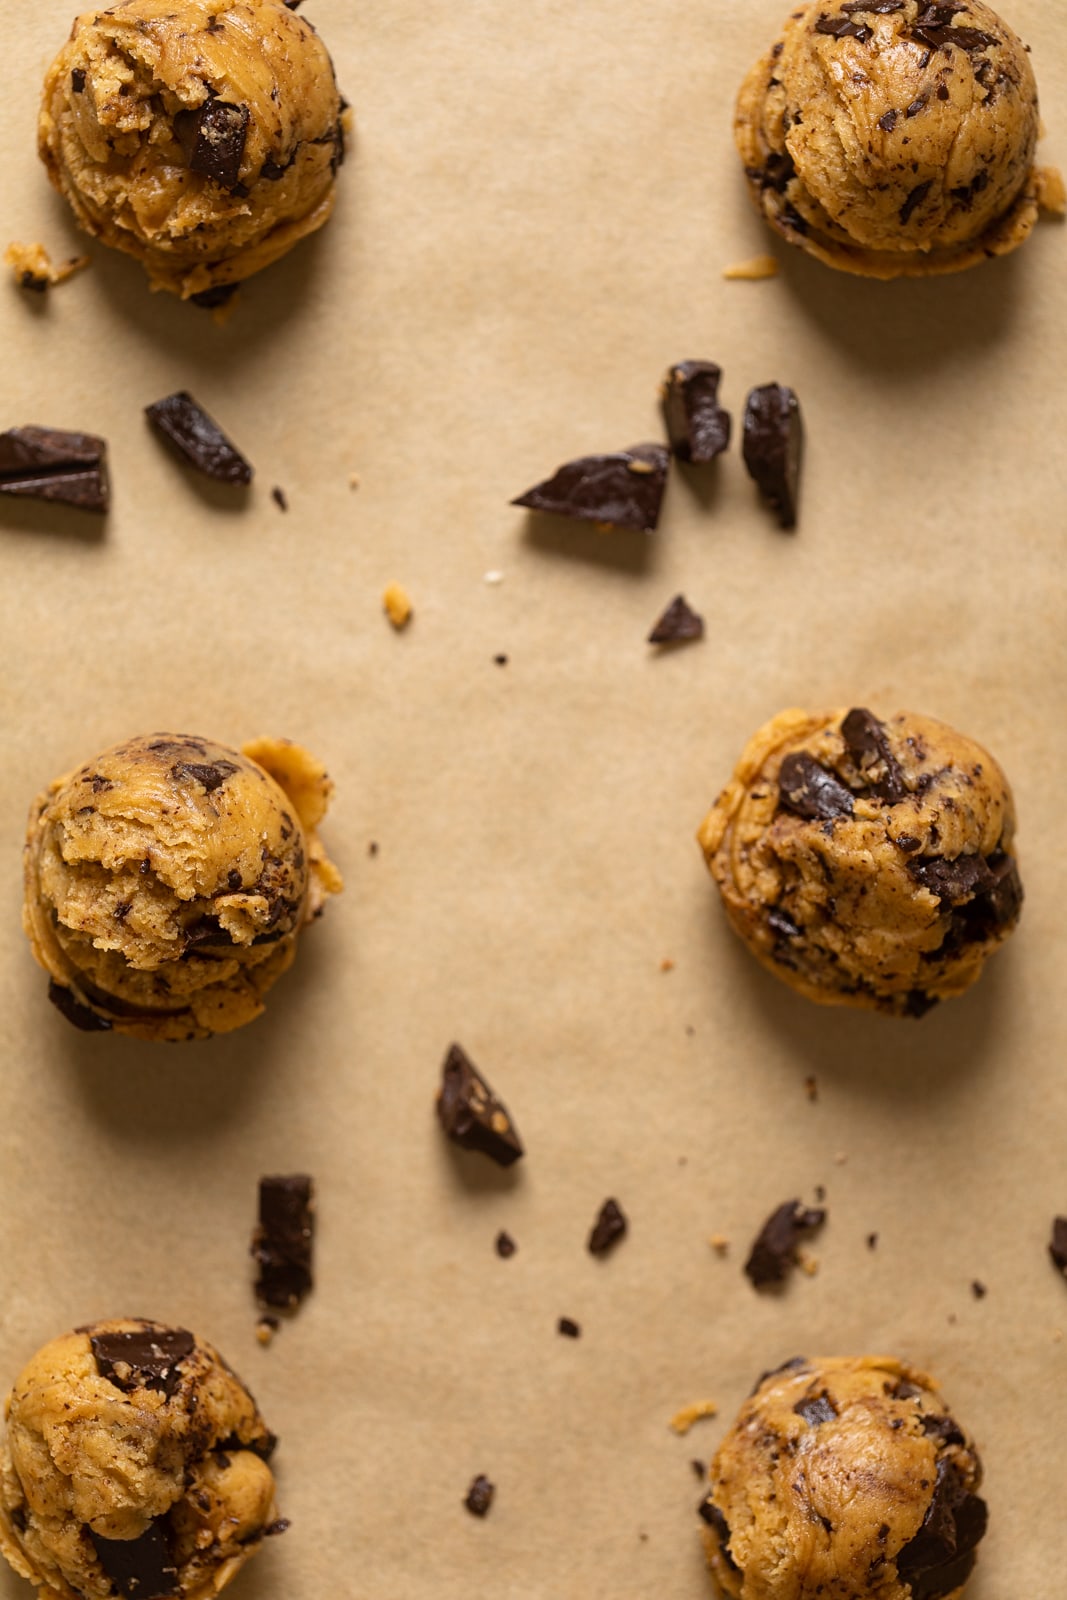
(621, 490)
(677, 624)
(471, 1114)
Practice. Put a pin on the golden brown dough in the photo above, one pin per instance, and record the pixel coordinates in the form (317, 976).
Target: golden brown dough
(201, 136)
(135, 1464)
(168, 879)
(896, 139)
(844, 1479)
(867, 862)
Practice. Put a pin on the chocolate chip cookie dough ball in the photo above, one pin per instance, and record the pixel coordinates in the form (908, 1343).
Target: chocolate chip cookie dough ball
(844, 1479)
(896, 138)
(864, 862)
(201, 136)
(167, 882)
(135, 1465)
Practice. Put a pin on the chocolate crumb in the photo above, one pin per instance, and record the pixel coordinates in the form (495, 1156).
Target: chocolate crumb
(697, 426)
(500, 661)
(867, 743)
(700, 1468)
(51, 464)
(609, 1227)
(978, 1289)
(198, 439)
(678, 624)
(774, 1250)
(480, 1496)
(282, 1241)
(280, 498)
(772, 446)
(816, 1409)
(569, 1328)
(872, 1241)
(471, 1114)
(621, 490)
(505, 1245)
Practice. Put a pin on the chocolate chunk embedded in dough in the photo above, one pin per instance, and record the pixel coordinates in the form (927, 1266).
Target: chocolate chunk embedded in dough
(51, 464)
(622, 490)
(715, 1520)
(843, 28)
(1058, 1244)
(697, 426)
(811, 790)
(952, 880)
(471, 1114)
(140, 1569)
(282, 1242)
(198, 439)
(78, 1015)
(868, 745)
(772, 446)
(213, 139)
(939, 1559)
(774, 1250)
(144, 1358)
(819, 1408)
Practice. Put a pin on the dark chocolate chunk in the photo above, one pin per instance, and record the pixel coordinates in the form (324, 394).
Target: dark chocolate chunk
(915, 198)
(609, 1227)
(622, 490)
(943, 1429)
(500, 660)
(843, 28)
(866, 741)
(282, 1242)
(965, 192)
(480, 1496)
(978, 1289)
(811, 790)
(774, 1249)
(211, 776)
(568, 1328)
(198, 439)
(505, 1245)
(280, 498)
(772, 446)
(939, 1559)
(279, 1525)
(954, 880)
(77, 80)
(820, 1408)
(140, 1569)
(933, 26)
(213, 138)
(147, 1358)
(875, 7)
(916, 106)
(220, 294)
(917, 1003)
(697, 426)
(709, 1511)
(471, 1114)
(51, 464)
(888, 121)
(677, 624)
(80, 1016)
(1058, 1244)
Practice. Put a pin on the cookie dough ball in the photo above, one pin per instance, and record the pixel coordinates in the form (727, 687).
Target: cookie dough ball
(867, 862)
(201, 136)
(895, 139)
(844, 1479)
(135, 1465)
(168, 879)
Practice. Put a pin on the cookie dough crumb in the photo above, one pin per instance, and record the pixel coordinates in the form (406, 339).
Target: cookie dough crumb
(719, 1243)
(33, 269)
(807, 1263)
(666, 965)
(753, 270)
(354, 480)
(1051, 193)
(266, 1328)
(685, 1419)
(493, 577)
(397, 606)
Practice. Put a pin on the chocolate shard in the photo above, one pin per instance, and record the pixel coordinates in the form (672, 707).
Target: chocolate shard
(939, 1559)
(875, 7)
(80, 1016)
(915, 199)
(958, 879)
(843, 28)
(282, 1241)
(811, 790)
(772, 445)
(145, 1358)
(213, 139)
(1057, 1248)
(709, 1511)
(868, 745)
(140, 1569)
(210, 776)
(505, 1245)
(678, 624)
(621, 490)
(818, 1408)
(471, 1114)
(479, 1496)
(198, 439)
(933, 26)
(609, 1227)
(51, 464)
(774, 1250)
(697, 426)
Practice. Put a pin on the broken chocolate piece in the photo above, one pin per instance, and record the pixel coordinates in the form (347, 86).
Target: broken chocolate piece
(80, 1016)
(282, 1242)
(609, 1227)
(279, 1525)
(146, 1358)
(211, 776)
(697, 426)
(213, 139)
(888, 121)
(77, 80)
(774, 1250)
(811, 790)
(198, 439)
(140, 1569)
(915, 198)
(50, 464)
(954, 880)
(820, 1408)
(939, 1559)
(866, 741)
(471, 1114)
(943, 1429)
(622, 490)
(772, 446)
(879, 7)
(842, 28)
(677, 624)
(480, 1496)
(1058, 1244)
(709, 1511)
(505, 1245)
(569, 1328)
(933, 26)
(280, 498)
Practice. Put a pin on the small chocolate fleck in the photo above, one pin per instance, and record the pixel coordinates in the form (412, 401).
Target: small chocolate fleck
(700, 1468)
(678, 624)
(505, 1245)
(140, 1569)
(568, 1328)
(888, 121)
(811, 790)
(622, 490)
(144, 1358)
(280, 498)
(198, 439)
(819, 1408)
(915, 198)
(471, 1114)
(480, 1496)
(774, 1250)
(1058, 1244)
(939, 1559)
(77, 80)
(51, 464)
(282, 1241)
(213, 138)
(500, 660)
(697, 426)
(609, 1227)
(979, 1289)
(872, 1241)
(843, 28)
(772, 445)
(868, 745)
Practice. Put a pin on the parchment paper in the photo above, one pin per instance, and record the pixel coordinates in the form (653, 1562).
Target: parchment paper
(532, 226)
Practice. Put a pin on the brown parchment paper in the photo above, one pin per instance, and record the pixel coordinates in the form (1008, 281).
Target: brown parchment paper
(532, 226)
